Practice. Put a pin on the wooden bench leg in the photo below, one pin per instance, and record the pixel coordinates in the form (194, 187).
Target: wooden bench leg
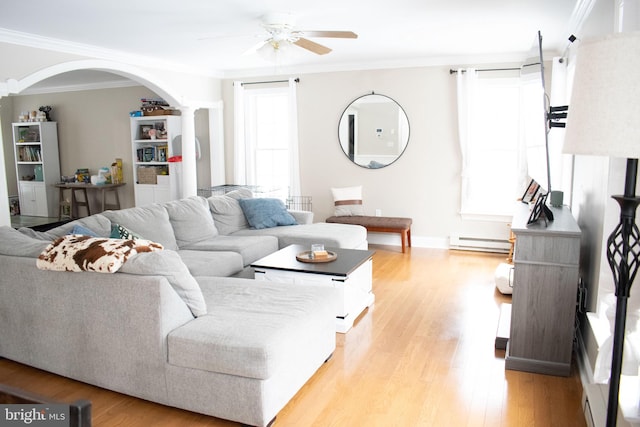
(405, 236)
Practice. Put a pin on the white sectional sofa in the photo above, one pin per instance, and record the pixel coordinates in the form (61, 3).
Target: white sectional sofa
(171, 325)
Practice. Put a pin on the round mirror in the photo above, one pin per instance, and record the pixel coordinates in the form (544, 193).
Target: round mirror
(373, 131)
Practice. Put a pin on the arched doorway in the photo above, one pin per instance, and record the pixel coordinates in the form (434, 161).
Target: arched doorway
(157, 83)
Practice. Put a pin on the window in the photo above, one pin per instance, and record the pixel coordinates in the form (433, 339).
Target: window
(266, 137)
(490, 138)
(267, 134)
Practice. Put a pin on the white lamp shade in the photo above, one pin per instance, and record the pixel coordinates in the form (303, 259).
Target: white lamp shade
(604, 113)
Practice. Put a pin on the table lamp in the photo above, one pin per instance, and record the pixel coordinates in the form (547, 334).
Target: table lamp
(604, 120)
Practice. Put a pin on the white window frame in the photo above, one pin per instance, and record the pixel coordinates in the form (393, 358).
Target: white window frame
(244, 150)
(252, 134)
(473, 133)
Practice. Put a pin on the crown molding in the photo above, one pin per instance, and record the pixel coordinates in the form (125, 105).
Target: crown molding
(35, 90)
(90, 51)
(514, 57)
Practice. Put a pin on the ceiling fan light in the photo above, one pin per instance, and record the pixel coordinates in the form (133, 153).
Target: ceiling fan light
(266, 51)
(275, 50)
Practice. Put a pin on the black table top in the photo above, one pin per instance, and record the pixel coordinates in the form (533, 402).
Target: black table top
(348, 260)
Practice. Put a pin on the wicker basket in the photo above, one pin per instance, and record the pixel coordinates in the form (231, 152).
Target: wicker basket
(160, 112)
(147, 175)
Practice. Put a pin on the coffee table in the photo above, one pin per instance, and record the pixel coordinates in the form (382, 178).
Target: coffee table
(350, 274)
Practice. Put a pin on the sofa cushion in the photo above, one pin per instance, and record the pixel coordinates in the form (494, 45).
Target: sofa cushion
(226, 211)
(348, 201)
(15, 243)
(252, 327)
(168, 264)
(266, 213)
(240, 193)
(301, 217)
(251, 248)
(331, 235)
(75, 252)
(151, 222)
(98, 224)
(191, 220)
(212, 263)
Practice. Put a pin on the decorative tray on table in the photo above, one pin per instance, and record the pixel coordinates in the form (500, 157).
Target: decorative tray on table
(307, 257)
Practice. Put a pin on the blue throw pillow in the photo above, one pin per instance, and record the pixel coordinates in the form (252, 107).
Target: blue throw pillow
(79, 229)
(266, 213)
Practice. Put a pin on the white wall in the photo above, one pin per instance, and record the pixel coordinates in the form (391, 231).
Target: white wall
(591, 176)
(423, 184)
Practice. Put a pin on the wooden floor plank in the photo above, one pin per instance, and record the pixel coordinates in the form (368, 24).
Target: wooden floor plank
(423, 355)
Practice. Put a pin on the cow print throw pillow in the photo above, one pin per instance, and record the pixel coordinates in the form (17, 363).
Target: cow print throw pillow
(76, 252)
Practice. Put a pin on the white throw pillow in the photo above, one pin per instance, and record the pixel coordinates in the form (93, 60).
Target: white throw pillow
(348, 201)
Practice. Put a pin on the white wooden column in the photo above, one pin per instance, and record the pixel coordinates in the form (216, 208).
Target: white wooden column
(627, 15)
(216, 144)
(5, 217)
(189, 175)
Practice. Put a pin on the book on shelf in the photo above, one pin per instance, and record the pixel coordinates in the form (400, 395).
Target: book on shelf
(149, 154)
(162, 153)
(152, 153)
(29, 154)
(154, 101)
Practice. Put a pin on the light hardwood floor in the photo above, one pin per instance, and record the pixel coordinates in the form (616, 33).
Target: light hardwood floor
(423, 355)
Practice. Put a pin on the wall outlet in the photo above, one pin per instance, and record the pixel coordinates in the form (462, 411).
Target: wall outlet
(378, 212)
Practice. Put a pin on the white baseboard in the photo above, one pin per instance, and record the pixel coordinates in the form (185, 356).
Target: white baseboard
(594, 399)
(393, 239)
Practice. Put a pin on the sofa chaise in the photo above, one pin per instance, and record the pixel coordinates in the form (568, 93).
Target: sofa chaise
(170, 325)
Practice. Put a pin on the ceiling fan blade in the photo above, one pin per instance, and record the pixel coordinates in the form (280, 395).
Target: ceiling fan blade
(333, 34)
(312, 46)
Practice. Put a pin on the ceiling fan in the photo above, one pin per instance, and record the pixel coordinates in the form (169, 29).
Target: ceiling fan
(281, 32)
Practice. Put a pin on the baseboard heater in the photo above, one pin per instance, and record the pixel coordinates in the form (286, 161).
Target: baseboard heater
(479, 244)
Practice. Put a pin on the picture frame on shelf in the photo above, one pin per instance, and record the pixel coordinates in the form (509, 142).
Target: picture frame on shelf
(144, 131)
(538, 209)
(530, 193)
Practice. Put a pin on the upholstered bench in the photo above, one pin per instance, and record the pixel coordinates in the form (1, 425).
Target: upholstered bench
(380, 224)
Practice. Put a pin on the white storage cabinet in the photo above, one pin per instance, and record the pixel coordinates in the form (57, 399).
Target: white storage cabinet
(37, 167)
(152, 141)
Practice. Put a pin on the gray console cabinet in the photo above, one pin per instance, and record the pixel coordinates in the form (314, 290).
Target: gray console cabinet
(544, 295)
